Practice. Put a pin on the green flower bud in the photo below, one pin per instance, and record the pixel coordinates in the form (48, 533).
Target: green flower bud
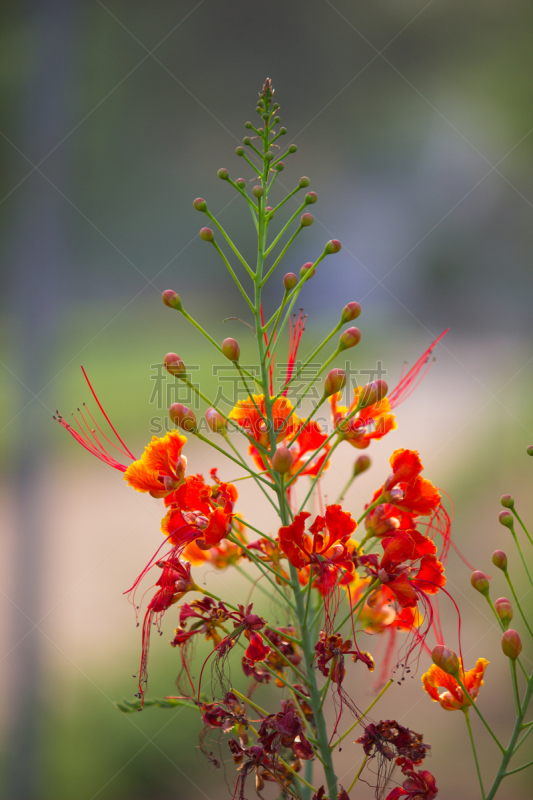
(207, 235)
(292, 148)
(335, 382)
(216, 421)
(258, 191)
(282, 460)
(504, 610)
(446, 659)
(276, 120)
(280, 166)
(269, 155)
(241, 183)
(507, 501)
(480, 582)
(183, 417)
(333, 246)
(529, 450)
(306, 220)
(282, 131)
(349, 338)
(311, 197)
(171, 299)
(361, 465)
(231, 349)
(373, 392)
(239, 151)
(511, 644)
(200, 204)
(289, 281)
(506, 519)
(247, 141)
(307, 270)
(223, 174)
(174, 365)
(304, 182)
(350, 312)
(248, 125)
(499, 559)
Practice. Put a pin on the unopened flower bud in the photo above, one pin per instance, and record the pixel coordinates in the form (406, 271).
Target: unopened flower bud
(506, 519)
(282, 460)
(276, 119)
(171, 299)
(507, 501)
(349, 338)
(499, 559)
(280, 166)
(247, 141)
(174, 364)
(182, 416)
(480, 582)
(289, 281)
(292, 148)
(307, 270)
(216, 421)
(282, 131)
(241, 183)
(231, 349)
(504, 610)
(207, 235)
(332, 246)
(223, 174)
(269, 155)
(306, 220)
(200, 204)
(446, 659)
(258, 191)
(350, 312)
(361, 465)
(529, 450)
(372, 393)
(268, 209)
(304, 182)
(239, 151)
(511, 644)
(311, 197)
(248, 125)
(335, 382)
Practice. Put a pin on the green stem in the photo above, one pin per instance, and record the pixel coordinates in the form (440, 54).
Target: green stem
(233, 275)
(467, 718)
(359, 771)
(235, 250)
(524, 562)
(522, 525)
(509, 581)
(282, 231)
(364, 714)
(478, 712)
(278, 259)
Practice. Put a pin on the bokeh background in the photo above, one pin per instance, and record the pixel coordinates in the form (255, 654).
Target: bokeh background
(415, 123)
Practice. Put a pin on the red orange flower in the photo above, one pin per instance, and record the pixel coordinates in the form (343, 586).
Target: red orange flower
(161, 468)
(250, 415)
(310, 439)
(372, 422)
(453, 697)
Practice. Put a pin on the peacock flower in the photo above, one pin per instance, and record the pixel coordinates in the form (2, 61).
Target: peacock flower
(453, 698)
(250, 415)
(161, 468)
(311, 438)
(372, 422)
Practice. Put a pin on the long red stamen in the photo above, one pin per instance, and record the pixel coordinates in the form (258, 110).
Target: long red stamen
(407, 382)
(107, 418)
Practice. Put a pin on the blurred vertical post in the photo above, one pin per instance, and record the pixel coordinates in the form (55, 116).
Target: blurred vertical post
(37, 265)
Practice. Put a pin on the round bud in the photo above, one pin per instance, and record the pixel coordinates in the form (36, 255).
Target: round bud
(304, 182)
(282, 131)
(239, 151)
(372, 393)
(171, 299)
(268, 209)
(499, 559)
(223, 174)
(275, 107)
(266, 115)
(307, 270)
(361, 465)
(506, 519)
(306, 220)
(247, 141)
(349, 338)
(480, 582)
(231, 349)
(174, 364)
(511, 644)
(258, 191)
(529, 450)
(504, 610)
(311, 197)
(216, 421)
(280, 166)
(182, 416)
(241, 183)
(335, 382)
(200, 204)
(277, 119)
(292, 148)
(282, 460)
(332, 247)
(289, 281)
(247, 124)
(507, 501)
(446, 659)
(350, 312)
(269, 155)
(207, 235)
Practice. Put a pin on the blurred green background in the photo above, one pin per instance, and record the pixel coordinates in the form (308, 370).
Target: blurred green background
(414, 122)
